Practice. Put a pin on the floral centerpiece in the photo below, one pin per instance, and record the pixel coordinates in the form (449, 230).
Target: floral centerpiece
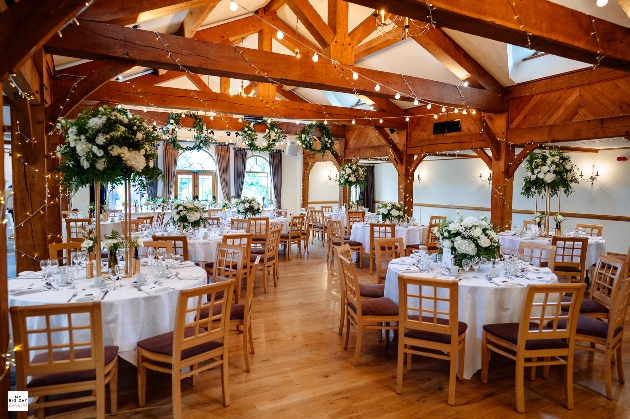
(391, 211)
(351, 174)
(89, 240)
(136, 243)
(247, 207)
(112, 243)
(549, 170)
(188, 214)
(559, 218)
(539, 218)
(468, 238)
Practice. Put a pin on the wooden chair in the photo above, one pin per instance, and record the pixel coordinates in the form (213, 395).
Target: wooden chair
(606, 337)
(326, 208)
(281, 213)
(65, 214)
(429, 326)
(229, 265)
(306, 233)
(75, 227)
(570, 258)
(212, 221)
(537, 254)
(156, 244)
(179, 244)
(146, 219)
(159, 218)
(190, 343)
(240, 224)
(317, 225)
(431, 240)
(67, 250)
(369, 314)
(336, 238)
(135, 225)
(624, 258)
(379, 231)
(114, 213)
(294, 236)
(591, 230)
(527, 223)
(214, 212)
(353, 217)
(81, 364)
(269, 262)
(386, 250)
(259, 228)
(539, 335)
(243, 240)
(604, 286)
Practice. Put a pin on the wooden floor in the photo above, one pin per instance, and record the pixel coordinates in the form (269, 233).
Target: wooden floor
(300, 370)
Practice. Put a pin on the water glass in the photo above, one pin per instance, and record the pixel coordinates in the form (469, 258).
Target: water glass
(161, 254)
(475, 263)
(151, 253)
(466, 264)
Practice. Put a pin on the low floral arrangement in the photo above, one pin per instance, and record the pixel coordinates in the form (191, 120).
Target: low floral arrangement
(188, 214)
(272, 137)
(89, 240)
(137, 242)
(549, 169)
(539, 217)
(468, 238)
(391, 211)
(351, 174)
(114, 241)
(247, 207)
(307, 140)
(559, 218)
(107, 145)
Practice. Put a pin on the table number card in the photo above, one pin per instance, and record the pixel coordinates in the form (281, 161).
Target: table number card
(447, 258)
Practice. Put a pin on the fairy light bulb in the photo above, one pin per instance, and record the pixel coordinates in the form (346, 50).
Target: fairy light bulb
(473, 111)
(377, 87)
(355, 76)
(233, 6)
(464, 112)
(315, 57)
(443, 109)
(280, 35)
(380, 121)
(435, 116)
(325, 122)
(397, 96)
(602, 3)
(456, 110)
(353, 122)
(429, 106)
(415, 102)
(407, 119)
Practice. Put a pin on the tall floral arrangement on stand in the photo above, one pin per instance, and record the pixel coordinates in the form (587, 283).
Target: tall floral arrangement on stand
(188, 214)
(549, 171)
(468, 238)
(351, 174)
(391, 211)
(247, 207)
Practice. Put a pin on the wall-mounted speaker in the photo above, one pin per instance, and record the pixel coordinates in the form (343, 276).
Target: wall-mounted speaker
(291, 149)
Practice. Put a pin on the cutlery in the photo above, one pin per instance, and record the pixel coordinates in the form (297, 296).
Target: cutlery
(74, 294)
(104, 295)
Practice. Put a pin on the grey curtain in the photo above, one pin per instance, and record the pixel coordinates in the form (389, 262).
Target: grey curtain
(366, 195)
(275, 164)
(223, 162)
(152, 186)
(170, 165)
(240, 157)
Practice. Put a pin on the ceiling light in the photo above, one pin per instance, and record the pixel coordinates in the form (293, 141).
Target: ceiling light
(434, 116)
(429, 106)
(353, 122)
(397, 96)
(443, 109)
(233, 6)
(602, 3)
(415, 102)
(355, 75)
(315, 57)
(280, 35)
(456, 110)
(377, 87)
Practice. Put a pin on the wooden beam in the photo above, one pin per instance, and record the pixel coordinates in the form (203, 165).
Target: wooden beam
(520, 158)
(341, 48)
(290, 95)
(125, 12)
(387, 105)
(63, 104)
(481, 153)
(265, 91)
(232, 31)
(493, 141)
(194, 19)
(395, 149)
(97, 41)
(375, 45)
(457, 60)
(306, 174)
(273, 6)
(289, 43)
(224, 86)
(312, 21)
(367, 152)
(552, 28)
(449, 143)
(198, 82)
(364, 29)
(27, 25)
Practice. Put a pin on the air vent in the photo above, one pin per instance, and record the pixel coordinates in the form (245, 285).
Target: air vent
(254, 119)
(447, 126)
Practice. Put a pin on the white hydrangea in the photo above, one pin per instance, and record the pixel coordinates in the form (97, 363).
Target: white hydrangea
(87, 244)
(484, 241)
(549, 177)
(454, 226)
(475, 232)
(465, 246)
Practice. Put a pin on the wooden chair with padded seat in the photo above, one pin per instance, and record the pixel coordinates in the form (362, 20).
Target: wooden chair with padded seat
(146, 219)
(431, 240)
(306, 233)
(179, 244)
(156, 244)
(75, 227)
(318, 228)
(528, 223)
(159, 218)
(537, 254)
(269, 256)
(336, 238)
(135, 225)
(591, 230)
(353, 217)
(326, 208)
(66, 214)
(294, 236)
(386, 250)
(379, 231)
(538, 335)
(364, 313)
(67, 251)
(259, 228)
(570, 260)
(244, 240)
(239, 224)
(228, 265)
(81, 364)
(191, 343)
(429, 326)
(212, 221)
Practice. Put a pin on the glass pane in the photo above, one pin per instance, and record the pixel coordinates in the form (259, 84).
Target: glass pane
(184, 187)
(196, 160)
(257, 164)
(256, 186)
(205, 188)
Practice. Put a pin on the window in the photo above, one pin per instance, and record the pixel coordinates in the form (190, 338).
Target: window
(257, 180)
(196, 176)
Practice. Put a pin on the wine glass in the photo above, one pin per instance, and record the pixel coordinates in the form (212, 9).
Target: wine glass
(161, 254)
(151, 253)
(45, 265)
(54, 265)
(466, 264)
(114, 272)
(475, 263)
(120, 256)
(158, 269)
(54, 281)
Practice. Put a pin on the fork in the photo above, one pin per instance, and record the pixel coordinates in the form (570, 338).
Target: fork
(74, 294)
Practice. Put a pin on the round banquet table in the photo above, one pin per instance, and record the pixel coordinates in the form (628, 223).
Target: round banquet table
(410, 235)
(203, 250)
(337, 216)
(480, 302)
(596, 245)
(129, 314)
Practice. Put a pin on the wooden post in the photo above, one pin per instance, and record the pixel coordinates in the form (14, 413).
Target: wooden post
(306, 173)
(4, 308)
(225, 85)
(266, 91)
(502, 188)
(341, 48)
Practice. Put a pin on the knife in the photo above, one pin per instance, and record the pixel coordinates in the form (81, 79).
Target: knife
(104, 294)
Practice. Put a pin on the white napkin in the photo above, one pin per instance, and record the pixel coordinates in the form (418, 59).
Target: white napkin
(190, 276)
(503, 282)
(187, 264)
(543, 270)
(89, 295)
(538, 277)
(153, 289)
(403, 261)
(25, 291)
(37, 274)
(506, 233)
(408, 269)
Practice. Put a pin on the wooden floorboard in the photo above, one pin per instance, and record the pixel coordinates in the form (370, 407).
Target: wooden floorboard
(300, 370)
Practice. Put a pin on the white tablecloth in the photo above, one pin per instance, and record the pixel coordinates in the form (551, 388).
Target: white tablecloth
(129, 315)
(203, 250)
(410, 235)
(480, 302)
(596, 246)
(337, 217)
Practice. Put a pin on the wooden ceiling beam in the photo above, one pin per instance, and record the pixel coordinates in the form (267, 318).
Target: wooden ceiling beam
(395, 149)
(93, 40)
(520, 157)
(312, 21)
(481, 153)
(27, 25)
(367, 152)
(198, 82)
(493, 141)
(273, 6)
(232, 31)
(290, 95)
(250, 88)
(27, 80)
(364, 29)
(552, 28)
(194, 19)
(288, 43)
(449, 143)
(126, 12)
(375, 45)
(387, 105)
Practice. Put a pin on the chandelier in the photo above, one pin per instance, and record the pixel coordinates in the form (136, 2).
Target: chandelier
(399, 27)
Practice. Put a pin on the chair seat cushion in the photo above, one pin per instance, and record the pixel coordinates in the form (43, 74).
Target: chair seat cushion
(252, 258)
(237, 312)
(589, 326)
(346, 238)
(382, 306)
(257, 251)
(111, 352)
(509, 332)
(588, 306)
(259, 239)
(432, 336)
(372, 290)
(293, 236)
(566, 269)
(351, 243)
(317, 227)
(163, 344)
(209, 265)
(413, 246)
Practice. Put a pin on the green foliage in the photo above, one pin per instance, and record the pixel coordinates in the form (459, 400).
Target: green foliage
(202, 137)
(326, 142)
(273, 135)
(549, 170)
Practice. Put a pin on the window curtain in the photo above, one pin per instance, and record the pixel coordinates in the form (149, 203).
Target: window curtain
(275, 164)
(152, 186)
(222, 153)
(170, 165)
(240, 157)
(367, 191)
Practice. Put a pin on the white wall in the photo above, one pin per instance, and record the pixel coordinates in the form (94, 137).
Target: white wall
(8, 169)
(385, 182)
(292, 183)
(320, 188)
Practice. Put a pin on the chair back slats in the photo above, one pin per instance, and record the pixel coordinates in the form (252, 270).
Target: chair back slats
(214, 212)
(243, 240)
(228, 262)
(570, 257)
(212, 221)
(160, 218)
(335, 231)
(348, 274)
(326, 208)
(271, 245)
(429, 305)
(353, 217)
(259, 228)
(75, 228)
(527, 223)
(240, 224)
(544, 304)
(146, 219)
(381, 231)
(296, 225)
(214, 327)
(317, 218)
(156, 244)
(619, 308)
(67, 251)
(179, 244)
(433, 239)
(537, 254)
(605, 281)
(386, 250)
(135, 225)
(591, 230)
